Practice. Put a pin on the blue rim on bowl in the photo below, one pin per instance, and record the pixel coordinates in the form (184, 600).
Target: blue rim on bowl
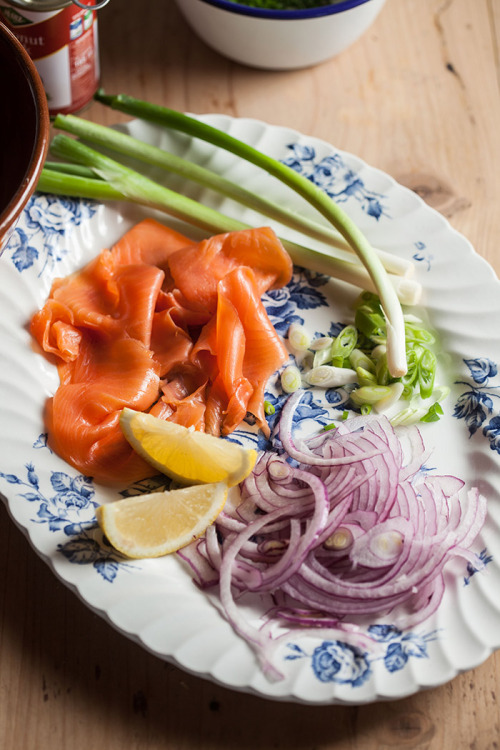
(322, 10)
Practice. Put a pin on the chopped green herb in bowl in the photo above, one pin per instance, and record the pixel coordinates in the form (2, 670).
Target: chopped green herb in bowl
(285, 4)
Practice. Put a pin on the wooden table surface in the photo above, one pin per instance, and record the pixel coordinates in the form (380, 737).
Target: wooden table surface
(418, 97)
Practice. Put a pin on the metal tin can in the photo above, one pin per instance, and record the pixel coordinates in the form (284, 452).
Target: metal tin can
(61, 39)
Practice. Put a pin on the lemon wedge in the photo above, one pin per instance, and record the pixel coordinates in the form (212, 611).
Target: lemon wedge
(186, 455)
(161, 522)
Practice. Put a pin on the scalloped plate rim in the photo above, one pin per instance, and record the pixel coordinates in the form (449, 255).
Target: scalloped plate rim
(82, 590)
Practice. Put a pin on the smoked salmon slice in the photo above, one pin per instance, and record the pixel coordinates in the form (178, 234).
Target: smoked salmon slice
(82, 417)
(149, 242)
(212, 259)
(161, 324)
(263, 350)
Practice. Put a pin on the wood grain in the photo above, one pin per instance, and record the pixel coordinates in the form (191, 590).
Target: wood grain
(418, 97)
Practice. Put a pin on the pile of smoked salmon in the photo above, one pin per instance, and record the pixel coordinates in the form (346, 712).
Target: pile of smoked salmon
(163, 325)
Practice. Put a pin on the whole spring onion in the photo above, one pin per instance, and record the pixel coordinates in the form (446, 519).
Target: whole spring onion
(349, 531)
(115, 181)
(129, 146)
(301, 185)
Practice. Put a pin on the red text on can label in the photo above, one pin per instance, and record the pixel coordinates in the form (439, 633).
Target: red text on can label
(63, 44)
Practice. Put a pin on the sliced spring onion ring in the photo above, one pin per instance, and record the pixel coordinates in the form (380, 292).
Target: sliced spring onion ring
(291, 379)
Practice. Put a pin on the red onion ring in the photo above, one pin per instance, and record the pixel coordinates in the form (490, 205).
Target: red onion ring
(350, 533)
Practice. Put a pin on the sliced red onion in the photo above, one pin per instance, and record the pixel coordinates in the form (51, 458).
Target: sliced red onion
(338, 528)
(298, 450)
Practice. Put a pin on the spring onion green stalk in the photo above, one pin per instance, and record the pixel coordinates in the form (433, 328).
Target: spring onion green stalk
(128, 146)
(426, 373)
(118, 182)
(433, 414)
(382, 373)
(405, 417)
(412, 359)
(416, 332)
(359, 359)
(269, 409)
(312, 193)
(344, 343)
(67, 168)
(407, 392)
(61, 183)
(365, 377)
(136, 187)
(370, 323)
(416, 412)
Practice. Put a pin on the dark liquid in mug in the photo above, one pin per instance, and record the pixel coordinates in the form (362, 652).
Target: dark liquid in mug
(18, 125)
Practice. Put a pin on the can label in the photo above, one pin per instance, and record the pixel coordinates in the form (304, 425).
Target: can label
(63, 44)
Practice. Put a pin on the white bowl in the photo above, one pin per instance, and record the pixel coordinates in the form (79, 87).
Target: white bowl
(279, 39)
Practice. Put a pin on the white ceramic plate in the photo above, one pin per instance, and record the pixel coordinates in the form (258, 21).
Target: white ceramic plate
(154, 601)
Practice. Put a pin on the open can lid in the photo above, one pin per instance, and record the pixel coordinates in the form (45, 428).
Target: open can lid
(47, 5)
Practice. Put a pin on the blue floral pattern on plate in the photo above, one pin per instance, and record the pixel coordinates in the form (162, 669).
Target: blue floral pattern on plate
(336, 661)
(64, 503)
(422, 255)
(70, 507)
(476, 403)
(336, 178)
(46, 219)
